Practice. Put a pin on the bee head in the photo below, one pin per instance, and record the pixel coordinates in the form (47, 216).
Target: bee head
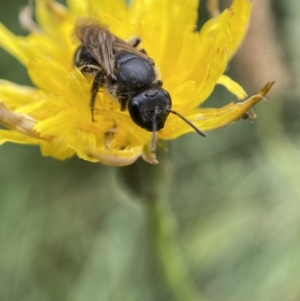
(150, 108)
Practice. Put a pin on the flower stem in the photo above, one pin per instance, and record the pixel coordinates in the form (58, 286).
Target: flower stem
(162, 228)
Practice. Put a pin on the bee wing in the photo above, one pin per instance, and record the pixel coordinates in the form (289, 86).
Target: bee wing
(99, 42)
(102, 44)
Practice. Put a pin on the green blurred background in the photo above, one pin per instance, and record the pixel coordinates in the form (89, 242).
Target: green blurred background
(78, 231)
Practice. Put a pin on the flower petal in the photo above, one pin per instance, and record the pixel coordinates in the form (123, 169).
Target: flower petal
(51, 16)
(241, 10)
(117, 157)
(204, 61)
(208, 54)
(13, 45)
(79, 8)
(88, 147)
(57, 149)
(162, 24)
(17, 95)
(232, 86)
(37, 45)
(48, 75)
(16, 137)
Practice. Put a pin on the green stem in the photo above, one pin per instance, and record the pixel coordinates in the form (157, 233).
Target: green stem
(176, 274)
(163, 230)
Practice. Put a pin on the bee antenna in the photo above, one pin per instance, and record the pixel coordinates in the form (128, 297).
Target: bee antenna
(198, 131)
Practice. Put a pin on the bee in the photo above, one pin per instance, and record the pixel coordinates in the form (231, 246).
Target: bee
(128, 74)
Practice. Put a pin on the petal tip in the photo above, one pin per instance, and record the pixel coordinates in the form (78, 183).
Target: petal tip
(264, 90)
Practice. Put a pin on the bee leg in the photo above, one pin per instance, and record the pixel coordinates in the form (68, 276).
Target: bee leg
(90, 69)
(97, 83)
(159, 82)
(123, 102)
(134, 41)
(142, 50)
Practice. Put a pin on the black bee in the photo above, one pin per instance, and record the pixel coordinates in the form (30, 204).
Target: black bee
(128, 73)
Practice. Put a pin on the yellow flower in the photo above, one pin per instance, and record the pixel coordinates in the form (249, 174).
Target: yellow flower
(56, 114)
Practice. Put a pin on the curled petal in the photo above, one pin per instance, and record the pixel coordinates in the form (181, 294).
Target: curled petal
(116, 157)
(232, 86)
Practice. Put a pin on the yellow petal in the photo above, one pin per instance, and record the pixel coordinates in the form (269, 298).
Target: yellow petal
(185, 97)
(87, 147)
(48, 75)
(13, 45)
(58, 49)
(57, 125)
(17, 95)
(57, 149)
(111, 8)
(16, 137)
(79, 8)
(206, 57)
(117, 157)
(161, 23)
(212, 57)
(232, 86)
(50, 15)
(48, 148)
(203, 60)
(241, 11)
